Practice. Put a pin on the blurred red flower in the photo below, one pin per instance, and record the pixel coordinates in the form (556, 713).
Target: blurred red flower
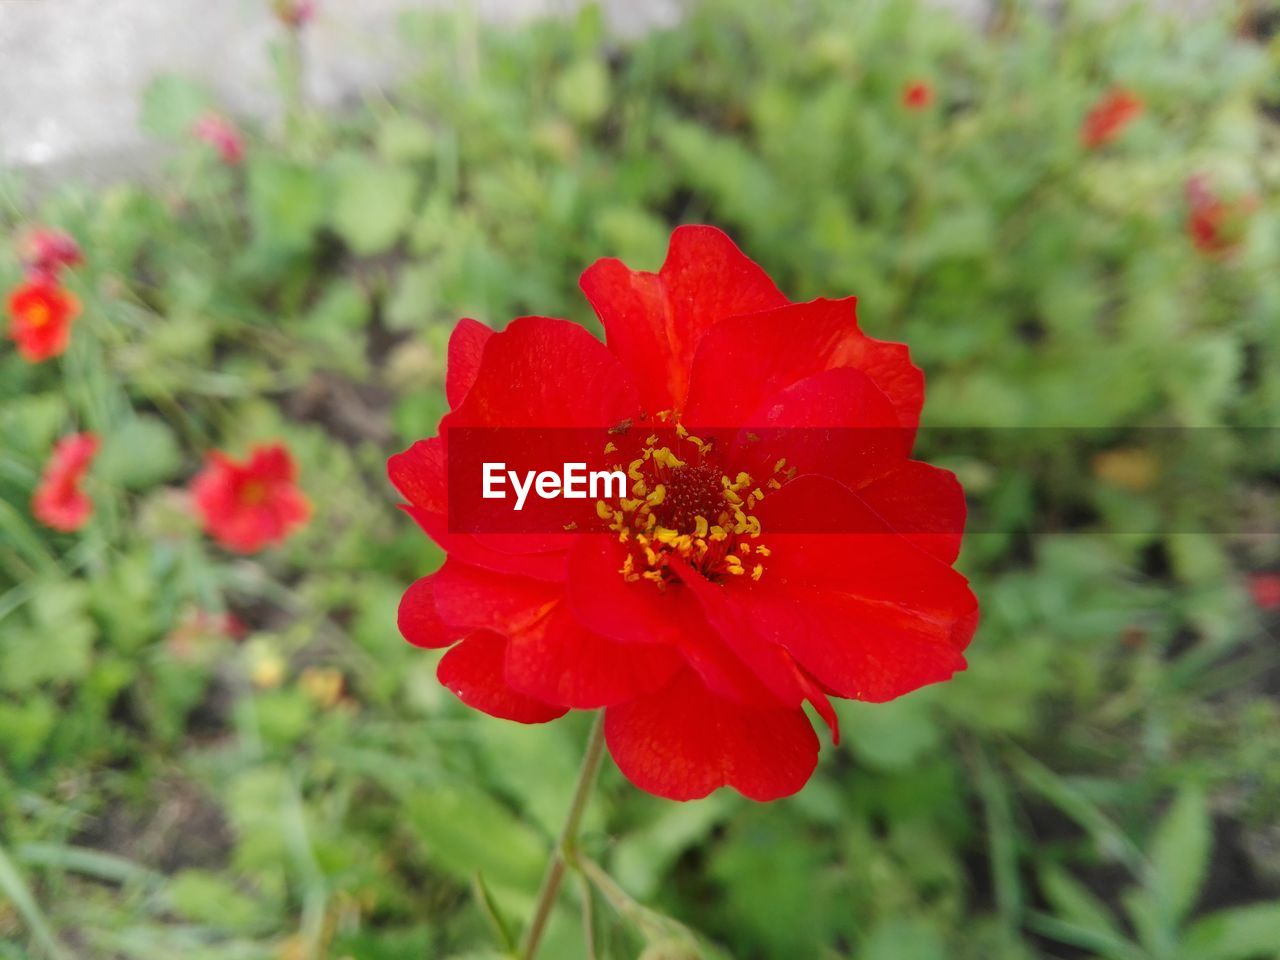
(1216, 226)
(45, 252)
(1109, 117)
(40, 317)
(250, 505)
(1264, 588)
(700, 611)
(221, 134)
(917, 95)
(58, 501)
(295, 13)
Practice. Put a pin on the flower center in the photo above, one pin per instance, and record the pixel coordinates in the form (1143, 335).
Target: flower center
(684, 505)
(253, 493)
(38, 314)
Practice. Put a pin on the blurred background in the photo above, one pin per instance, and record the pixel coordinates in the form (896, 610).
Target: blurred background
(1068, 211)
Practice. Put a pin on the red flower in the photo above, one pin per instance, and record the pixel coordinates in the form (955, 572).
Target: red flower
(917, 95)
(251, 505)
(1215, 226)
(704, 630)
(41, 313)
(1264, 588)
(295, 13)
(1109, 117)
(221, 134)
(45, 252)
(58, 501)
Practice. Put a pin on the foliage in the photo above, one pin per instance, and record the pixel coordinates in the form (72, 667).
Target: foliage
(1105, 775)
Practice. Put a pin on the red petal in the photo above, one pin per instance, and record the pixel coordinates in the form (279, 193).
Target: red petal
(475, 550)
(418, 620)
(654, 322)
(741, 364)
(541, 372)
(473, 671)
(420, 474)
(685, 741)
(470, 597)
(732, 621)
(870, 615)
(560, 661)
(466, 346)
(836, 423)
(922, 502)
(551, 656)
(638, 612)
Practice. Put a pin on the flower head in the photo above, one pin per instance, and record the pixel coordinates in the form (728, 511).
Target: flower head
(40, 317)
(775, 545)
(917, 95)
(1109, 117)
(1216, 226)
(1264, 590)
(250, 505)
(295, 13)
(45, 251)
(58, 502)
(221, 134)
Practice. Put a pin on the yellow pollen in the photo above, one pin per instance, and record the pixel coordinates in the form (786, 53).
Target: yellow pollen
(684, 508)
(38, 314)
(763, 551)
(253, 493)
(610, 447)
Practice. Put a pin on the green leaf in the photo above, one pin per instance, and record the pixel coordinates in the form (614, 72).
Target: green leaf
(139, 453)
(1180, 853)
(1242, 933)
(287, 204)
(15, 891)
(26, 727)
(582, 91)
(904, 939)
(415, 294)
(890, 736)
(1073, 902)
(465, 831)
(1087, 938)
(402, 138)
(373, 203)
(56, 646)
(209, 898)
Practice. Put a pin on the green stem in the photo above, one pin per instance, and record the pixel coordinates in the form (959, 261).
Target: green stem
(565, 849)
